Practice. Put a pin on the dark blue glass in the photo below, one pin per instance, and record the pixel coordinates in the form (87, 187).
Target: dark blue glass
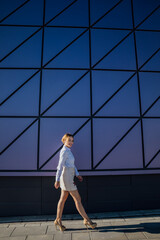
(52, 131)
(30, 13)
(55, 83)
(151, 131)
(150, 87)
(125, 154)
(22, 154)
(118, 17)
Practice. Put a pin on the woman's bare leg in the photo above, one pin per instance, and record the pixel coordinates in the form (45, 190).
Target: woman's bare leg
(60, 206)
(77, 199)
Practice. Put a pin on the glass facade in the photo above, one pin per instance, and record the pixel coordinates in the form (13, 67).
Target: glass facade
(87, 67)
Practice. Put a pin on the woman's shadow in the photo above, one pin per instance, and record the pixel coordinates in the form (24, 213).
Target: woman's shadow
(150, 227)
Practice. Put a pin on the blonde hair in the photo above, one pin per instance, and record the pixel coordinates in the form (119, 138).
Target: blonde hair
(67, 135)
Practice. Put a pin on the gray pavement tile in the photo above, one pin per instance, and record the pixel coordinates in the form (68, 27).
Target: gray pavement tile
(40, 237)
(117, 220)
(152, 228)
(156, 217)
(34, 230)
(104, 215)
(6, 232)
(47, 223)
(69, 229)
(103, 224)
(78, 223)
(110, 226)
(16, 225)
(51, 230)
(152, 235)
(72, 222)
(80, 236)
(4, 225)
(135, 235)
(138, 219)
(108, 235)
(107, 220)
(13, 238)
(31, 224)
(62, 236)
(125, 223)
(128, 227)
(150, 221)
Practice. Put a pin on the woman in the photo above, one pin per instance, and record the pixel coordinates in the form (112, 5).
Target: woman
(66, 170)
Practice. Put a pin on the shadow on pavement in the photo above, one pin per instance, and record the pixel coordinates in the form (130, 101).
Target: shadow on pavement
(141, 227)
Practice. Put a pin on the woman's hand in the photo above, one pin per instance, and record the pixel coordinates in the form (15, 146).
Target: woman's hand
(80, 178)
(57, 184)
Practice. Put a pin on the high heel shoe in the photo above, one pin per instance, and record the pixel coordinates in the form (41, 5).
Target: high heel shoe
(90, 223)
(61, 227)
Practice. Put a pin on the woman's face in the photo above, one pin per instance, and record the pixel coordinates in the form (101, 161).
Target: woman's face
(69, 142)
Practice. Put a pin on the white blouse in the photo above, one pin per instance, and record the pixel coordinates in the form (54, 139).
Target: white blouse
(66, 159)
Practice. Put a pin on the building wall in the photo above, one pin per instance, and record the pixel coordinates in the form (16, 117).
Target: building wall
(37, 196)
(88, 67)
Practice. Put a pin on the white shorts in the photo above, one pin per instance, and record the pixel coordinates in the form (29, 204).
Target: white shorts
(67, 179)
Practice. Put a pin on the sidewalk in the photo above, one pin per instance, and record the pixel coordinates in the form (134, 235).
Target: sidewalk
(143, 224)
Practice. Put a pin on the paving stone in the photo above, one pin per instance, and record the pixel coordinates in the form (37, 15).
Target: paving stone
(114, 220)
(32, 224)
(40, 237)
(138, 219)
(110, 226)
(69, 229)
(34, 230)
(62, 236)
(135, 235)
(117, 222)
(103, 226)
(152, 235)
(156, 217)
(103, 223)
(6, 232)
(4, 225)
(108, 235)
(14, 238)
(51, 230)
(80, 236)
(48, 223)
(126, 224)
(16, 225)
(128, 227)
(70, 223)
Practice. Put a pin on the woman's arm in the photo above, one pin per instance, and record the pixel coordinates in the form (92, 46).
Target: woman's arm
(76, 171)
(62, 159)
(80, 178)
